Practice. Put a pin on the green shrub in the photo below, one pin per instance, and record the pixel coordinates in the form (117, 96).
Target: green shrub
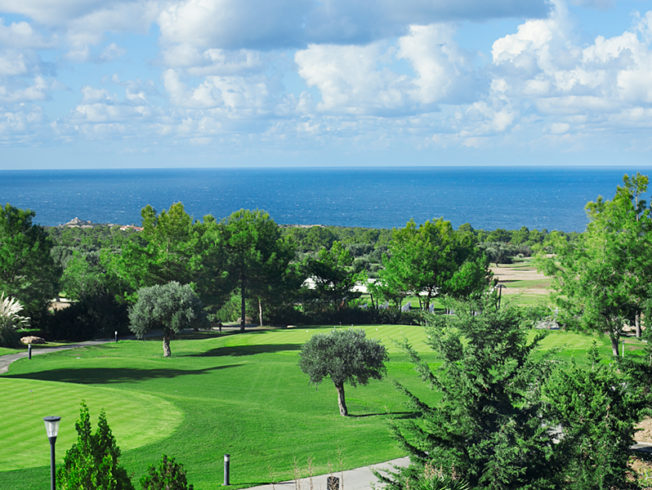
(92, 462)
(9, 337)
(168, 475)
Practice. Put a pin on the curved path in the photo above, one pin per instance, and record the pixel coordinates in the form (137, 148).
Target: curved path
(356, 479)
(7, 359)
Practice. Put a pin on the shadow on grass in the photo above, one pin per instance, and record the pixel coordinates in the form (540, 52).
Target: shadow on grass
(395, 415)
(112, 375)
(247, 350)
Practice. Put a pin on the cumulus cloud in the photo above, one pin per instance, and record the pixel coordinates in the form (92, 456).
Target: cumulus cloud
(442, 69)
(368, 79)
(20, 35)
(351, 79)
(584, 88)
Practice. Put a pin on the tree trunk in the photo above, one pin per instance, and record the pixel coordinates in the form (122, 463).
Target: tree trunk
(166, 345)
(614, 345)
(243, 305)
(260, 312)
(341, 402)
(637, 323)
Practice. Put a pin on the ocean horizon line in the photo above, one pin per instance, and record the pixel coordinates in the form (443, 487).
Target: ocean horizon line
(554, 166)
(487, 197)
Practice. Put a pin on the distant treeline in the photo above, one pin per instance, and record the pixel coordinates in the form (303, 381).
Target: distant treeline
(366, 245)
(247, 268)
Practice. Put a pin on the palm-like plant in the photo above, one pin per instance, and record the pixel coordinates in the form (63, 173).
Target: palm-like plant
(10, 316)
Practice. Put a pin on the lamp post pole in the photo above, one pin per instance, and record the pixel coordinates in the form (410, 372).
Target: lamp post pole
(52, 429)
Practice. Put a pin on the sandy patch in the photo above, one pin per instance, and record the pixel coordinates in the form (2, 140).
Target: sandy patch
(645, 434)
(509, 274)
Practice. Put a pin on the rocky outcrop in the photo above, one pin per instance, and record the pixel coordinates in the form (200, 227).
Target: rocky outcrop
(32, 339)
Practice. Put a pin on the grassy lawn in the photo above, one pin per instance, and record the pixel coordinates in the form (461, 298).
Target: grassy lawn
(241, 394)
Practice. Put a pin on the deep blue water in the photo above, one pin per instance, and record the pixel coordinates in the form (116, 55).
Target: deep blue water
(486, 197)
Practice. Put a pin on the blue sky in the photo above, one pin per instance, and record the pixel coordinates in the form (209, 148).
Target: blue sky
(204, 83)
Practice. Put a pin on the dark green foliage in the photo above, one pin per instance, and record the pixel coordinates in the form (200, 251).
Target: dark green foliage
(346, 356)
(168, 475)
(9, 337)
(333, 279)
(258, 258)
(92, 462)
(503, 253)
(27, 270)
(93, 316)
(162, 252)
(487, 427)
(597, 408)
(169, 307)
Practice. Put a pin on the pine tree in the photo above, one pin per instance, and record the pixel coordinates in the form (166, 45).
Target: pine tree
(486, 428)
(92, 462)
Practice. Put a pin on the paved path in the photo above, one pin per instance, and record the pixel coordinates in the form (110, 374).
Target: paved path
(357, 479)
(7, 359)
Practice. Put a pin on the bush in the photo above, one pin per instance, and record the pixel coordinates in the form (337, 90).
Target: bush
(168, 475)
(10, 320)
(92, 462)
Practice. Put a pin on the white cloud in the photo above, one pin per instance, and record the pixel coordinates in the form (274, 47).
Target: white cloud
(351, 79)
(442, 69)
(550, 75)
(20, 35)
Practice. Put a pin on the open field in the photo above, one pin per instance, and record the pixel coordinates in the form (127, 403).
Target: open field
(523, 285)
(241, 394)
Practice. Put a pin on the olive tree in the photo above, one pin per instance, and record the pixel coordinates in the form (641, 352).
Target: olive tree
(169, 307)
(346, 356)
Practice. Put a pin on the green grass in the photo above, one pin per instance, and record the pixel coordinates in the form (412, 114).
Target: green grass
(531, 283)
(8, 350)
(240, 394)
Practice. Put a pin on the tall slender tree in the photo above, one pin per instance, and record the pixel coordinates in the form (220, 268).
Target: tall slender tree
(257, 255)
(601, 279)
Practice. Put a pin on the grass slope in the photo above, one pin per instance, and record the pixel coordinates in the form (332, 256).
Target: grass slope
(239, 394)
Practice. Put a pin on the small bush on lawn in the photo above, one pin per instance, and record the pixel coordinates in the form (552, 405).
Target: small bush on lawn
(167, 475)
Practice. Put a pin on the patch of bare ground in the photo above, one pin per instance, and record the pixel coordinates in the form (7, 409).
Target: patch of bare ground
(505, 273)
(645, 432)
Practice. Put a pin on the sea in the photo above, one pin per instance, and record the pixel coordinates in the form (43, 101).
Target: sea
(551, 198)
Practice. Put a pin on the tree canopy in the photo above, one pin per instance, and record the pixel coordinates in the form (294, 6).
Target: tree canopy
(257, 255)
(601, 279)
(432, 260)
(27, 270)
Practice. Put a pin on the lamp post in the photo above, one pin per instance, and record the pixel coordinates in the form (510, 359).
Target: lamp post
(52, 429)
